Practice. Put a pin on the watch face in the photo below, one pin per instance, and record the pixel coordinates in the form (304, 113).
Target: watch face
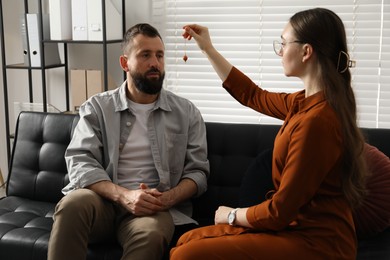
(231, 217)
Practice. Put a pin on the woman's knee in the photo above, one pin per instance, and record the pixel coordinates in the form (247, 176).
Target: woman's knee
(188, 253)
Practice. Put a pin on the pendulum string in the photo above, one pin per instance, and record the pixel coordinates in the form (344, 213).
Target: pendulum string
(185, 57)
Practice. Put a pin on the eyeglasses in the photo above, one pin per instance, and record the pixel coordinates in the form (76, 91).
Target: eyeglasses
(278, 46)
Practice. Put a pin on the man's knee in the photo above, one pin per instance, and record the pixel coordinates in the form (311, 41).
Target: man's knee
(76, 203)
(146, 237)
(84, 212)
(153, 230)
(156, 235)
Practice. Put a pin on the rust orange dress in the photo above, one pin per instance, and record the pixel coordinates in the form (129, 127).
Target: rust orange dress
(308, 217)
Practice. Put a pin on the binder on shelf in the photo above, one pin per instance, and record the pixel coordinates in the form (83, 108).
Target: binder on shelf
(60, 20)
(34, 28)
(78, 87)
(79, 20)
(23, 30)
(113, 20)
(95, 82)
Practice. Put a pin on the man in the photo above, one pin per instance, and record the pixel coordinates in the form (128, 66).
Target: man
(137, 156)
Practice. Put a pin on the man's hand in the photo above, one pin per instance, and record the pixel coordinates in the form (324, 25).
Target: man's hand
(142, 202)
(145, 201)
(167, 199)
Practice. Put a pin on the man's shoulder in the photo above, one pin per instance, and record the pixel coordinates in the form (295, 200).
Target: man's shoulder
(108, 94)
(106, 97)
(104, 101)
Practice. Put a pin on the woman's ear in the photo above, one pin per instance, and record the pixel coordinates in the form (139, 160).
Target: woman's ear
(307, 52)
(123, 62)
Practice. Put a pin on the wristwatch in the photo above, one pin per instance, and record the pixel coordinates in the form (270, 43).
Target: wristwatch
(232, 217)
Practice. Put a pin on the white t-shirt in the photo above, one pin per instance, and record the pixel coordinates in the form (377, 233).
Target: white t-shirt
(135, 161)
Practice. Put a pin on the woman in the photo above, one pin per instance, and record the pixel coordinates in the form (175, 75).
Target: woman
(317, 169)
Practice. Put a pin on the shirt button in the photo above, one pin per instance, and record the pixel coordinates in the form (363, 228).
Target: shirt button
(128, 123)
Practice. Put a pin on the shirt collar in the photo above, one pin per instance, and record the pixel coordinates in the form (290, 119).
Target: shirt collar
(121, 99)
(305, 103)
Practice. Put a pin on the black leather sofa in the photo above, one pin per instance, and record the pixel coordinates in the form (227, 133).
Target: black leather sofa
(37, 174)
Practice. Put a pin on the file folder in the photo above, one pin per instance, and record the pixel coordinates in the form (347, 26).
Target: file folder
(60, 19)
(79, 20)
(23, 30)
(34, 28)
(113, 20)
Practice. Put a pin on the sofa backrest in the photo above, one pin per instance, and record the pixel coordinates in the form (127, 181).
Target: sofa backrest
(37, 169)
(231, 148)
(378, 137)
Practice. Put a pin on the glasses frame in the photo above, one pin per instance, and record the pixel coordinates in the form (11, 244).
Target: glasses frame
(279, 46)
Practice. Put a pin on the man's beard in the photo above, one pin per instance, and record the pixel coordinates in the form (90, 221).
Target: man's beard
(146, 85)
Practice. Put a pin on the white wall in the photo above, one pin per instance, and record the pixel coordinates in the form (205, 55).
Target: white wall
(80, 56)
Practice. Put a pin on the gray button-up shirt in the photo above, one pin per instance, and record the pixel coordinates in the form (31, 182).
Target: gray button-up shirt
(177, 136)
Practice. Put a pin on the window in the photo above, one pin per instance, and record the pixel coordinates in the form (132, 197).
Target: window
(243, 31)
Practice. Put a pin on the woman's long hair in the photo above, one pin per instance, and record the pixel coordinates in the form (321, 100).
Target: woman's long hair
(324, 31)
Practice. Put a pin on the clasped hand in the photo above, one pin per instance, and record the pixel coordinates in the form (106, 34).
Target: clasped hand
(146, 201)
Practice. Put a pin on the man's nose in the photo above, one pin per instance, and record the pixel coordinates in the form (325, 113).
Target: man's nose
(154, 61)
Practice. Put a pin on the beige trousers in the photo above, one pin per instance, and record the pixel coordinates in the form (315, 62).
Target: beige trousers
(83, 217)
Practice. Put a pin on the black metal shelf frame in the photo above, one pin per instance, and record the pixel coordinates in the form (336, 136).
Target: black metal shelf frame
(44, 67)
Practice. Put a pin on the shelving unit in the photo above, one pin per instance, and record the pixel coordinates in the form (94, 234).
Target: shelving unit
(44, 67)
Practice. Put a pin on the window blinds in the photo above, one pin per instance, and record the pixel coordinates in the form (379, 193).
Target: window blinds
(243, 31)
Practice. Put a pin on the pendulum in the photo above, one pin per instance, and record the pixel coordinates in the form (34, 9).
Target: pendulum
(185, 57)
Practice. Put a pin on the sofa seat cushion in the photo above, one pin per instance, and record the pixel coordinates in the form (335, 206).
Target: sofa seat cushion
(25, 227)
(373, 216)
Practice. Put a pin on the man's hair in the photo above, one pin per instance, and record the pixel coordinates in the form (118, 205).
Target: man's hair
(132, 32)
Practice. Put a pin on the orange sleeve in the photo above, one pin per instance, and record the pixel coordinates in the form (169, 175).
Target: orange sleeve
(245, 91)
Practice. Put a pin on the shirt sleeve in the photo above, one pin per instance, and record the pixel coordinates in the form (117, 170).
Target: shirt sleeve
(84, 155)
(197, 165)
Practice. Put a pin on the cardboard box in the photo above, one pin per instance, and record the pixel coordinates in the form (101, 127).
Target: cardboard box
(95, 82)
(78, 88)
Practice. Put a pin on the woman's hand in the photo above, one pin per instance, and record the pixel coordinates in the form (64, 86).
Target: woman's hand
(200, 34)
(202, 38)
(221, 215)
